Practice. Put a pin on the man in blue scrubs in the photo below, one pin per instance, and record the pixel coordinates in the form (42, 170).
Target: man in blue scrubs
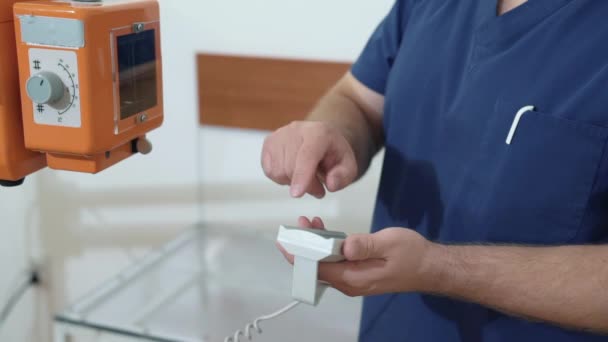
(491, 220)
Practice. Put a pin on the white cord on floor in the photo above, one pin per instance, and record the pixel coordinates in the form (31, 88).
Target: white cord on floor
(255, 325)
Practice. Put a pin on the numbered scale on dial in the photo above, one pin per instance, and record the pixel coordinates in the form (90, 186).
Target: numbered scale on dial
(53, 87)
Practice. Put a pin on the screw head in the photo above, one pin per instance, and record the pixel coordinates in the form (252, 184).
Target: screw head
(138, 27)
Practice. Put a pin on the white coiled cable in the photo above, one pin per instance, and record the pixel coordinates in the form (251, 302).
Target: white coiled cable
(255, 326)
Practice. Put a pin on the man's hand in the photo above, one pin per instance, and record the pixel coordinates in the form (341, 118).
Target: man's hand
(333, 147)
(309, 156)
(561, 285)
(391, 260)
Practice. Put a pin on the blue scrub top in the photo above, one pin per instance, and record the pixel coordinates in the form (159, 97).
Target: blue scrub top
(455, 75)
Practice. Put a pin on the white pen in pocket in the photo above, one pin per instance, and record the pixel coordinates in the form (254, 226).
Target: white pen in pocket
(516, 120)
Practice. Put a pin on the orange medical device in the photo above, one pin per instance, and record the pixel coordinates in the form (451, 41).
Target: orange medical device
(16, 161)
(90, 79)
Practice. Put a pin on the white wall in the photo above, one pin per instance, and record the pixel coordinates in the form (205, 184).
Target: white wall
(86, 228)
(326, 30)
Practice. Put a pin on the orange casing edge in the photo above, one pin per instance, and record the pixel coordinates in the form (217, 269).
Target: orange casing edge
(16, 162)
(95, 145)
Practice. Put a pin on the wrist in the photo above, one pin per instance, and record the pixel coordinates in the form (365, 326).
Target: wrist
(436, 271)
(357, 142)
(357, 134)
(360, 150)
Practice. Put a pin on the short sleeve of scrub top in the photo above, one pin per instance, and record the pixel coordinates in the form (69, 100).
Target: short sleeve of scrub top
(375, 62)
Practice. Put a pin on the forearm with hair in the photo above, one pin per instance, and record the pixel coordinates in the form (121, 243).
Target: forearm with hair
(566, 286)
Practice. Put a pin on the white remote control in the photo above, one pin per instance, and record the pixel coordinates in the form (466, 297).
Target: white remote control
(309, 247)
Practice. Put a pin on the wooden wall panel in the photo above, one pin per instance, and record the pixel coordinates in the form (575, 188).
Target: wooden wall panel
(261, 93)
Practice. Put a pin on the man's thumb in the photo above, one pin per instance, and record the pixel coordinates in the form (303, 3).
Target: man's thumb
(360, 247)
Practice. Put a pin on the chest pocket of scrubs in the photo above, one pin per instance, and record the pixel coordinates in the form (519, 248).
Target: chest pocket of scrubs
(536, 189)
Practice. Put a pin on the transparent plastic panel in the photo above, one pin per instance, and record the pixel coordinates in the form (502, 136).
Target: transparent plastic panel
(206, 285)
